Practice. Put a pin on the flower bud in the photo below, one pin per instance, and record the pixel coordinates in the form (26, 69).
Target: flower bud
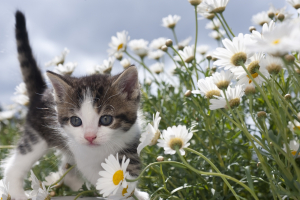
(250, 90)
(188, 93)
(214, 59)
(160, 158)
(281, 17)
(271, 15)
(214, 69)
(289, 58)
(208, 57)
(197, 119)
(180, 47)
(287, 97)
(297, 71)
(261, 114)
(169, 42)
(252, 28)
(164, 48)
(195, 2)
(52, 193)
(119, 56)
(271, 144)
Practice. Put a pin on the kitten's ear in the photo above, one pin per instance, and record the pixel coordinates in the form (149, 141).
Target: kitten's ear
(60, 84)
(128, 82)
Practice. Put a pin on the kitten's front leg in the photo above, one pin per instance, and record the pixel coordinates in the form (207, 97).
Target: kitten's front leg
(18, 164)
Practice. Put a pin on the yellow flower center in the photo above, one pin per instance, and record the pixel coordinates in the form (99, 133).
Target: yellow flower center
(253, 75)
(296, 127)
(155, 138)
(238, 58)
(124, 191)
(276, 41)
(233, 103)
(120, 46)
(118, 177)
(211, 93)
(176, 142)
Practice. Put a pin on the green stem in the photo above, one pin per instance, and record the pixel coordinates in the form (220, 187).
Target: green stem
(63, 176)
(185, 67)
(82, 193)
(155, 163)
(216, 174)
(135, 197)
(223, 26)
(175, 37)
(163, 177)
(263, 94)
(145, 67)
(7, 146)
(195, 47)
(221, 14)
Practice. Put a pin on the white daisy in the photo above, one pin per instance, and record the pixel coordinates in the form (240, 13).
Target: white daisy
(53, 177)
(35, 186)
(216, 6)
(21, 89)
(43, 193)
(65, 69)
(113, 176)
(126, 62)
(106, 66)
(175, 136)
(261, 18)
(58, 59)
(234, 96)
(183, 43)
(204, 11)
(222, 79)
(214, 24)
(157, 43)
(282, 39)
(294, 3)
(155, 55)
(294, 146)
(252, 64)
(292, 127)
(119, 55)
(272, 64)
(157, 68)
(170, 21)
(4, 191)
(119, 43)
(233, 54)
(187, 54)
(152, 133)
(148, 81)
(217, 35)
(124, 193)
(139, 47)
(21, 99)
(202, 49)
(7, 114)
(207, 88)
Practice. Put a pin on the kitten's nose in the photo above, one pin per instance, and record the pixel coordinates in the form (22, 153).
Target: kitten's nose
(90, 138)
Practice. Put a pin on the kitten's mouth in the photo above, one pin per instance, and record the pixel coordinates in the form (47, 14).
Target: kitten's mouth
(92, 144)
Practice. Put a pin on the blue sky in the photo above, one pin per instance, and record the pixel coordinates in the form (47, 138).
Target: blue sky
(86, 26)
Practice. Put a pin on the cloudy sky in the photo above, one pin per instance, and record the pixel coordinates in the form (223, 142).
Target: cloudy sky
(85, 27)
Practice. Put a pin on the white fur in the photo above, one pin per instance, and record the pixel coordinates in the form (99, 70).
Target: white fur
(17, 166)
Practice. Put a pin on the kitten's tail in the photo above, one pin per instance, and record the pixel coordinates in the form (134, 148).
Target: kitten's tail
(32, 75)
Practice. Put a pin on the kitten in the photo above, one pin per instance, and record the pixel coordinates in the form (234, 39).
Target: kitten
(86, 118)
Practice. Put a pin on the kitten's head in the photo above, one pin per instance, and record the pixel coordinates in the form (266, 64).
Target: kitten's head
(95, 110)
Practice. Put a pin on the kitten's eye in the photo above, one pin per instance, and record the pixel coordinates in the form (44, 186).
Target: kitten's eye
(106, 120)
(75, 121)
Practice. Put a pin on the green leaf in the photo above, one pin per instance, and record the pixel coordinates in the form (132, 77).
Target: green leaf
(249, 178)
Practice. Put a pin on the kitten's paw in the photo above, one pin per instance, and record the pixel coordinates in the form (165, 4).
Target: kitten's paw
(141, 195)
